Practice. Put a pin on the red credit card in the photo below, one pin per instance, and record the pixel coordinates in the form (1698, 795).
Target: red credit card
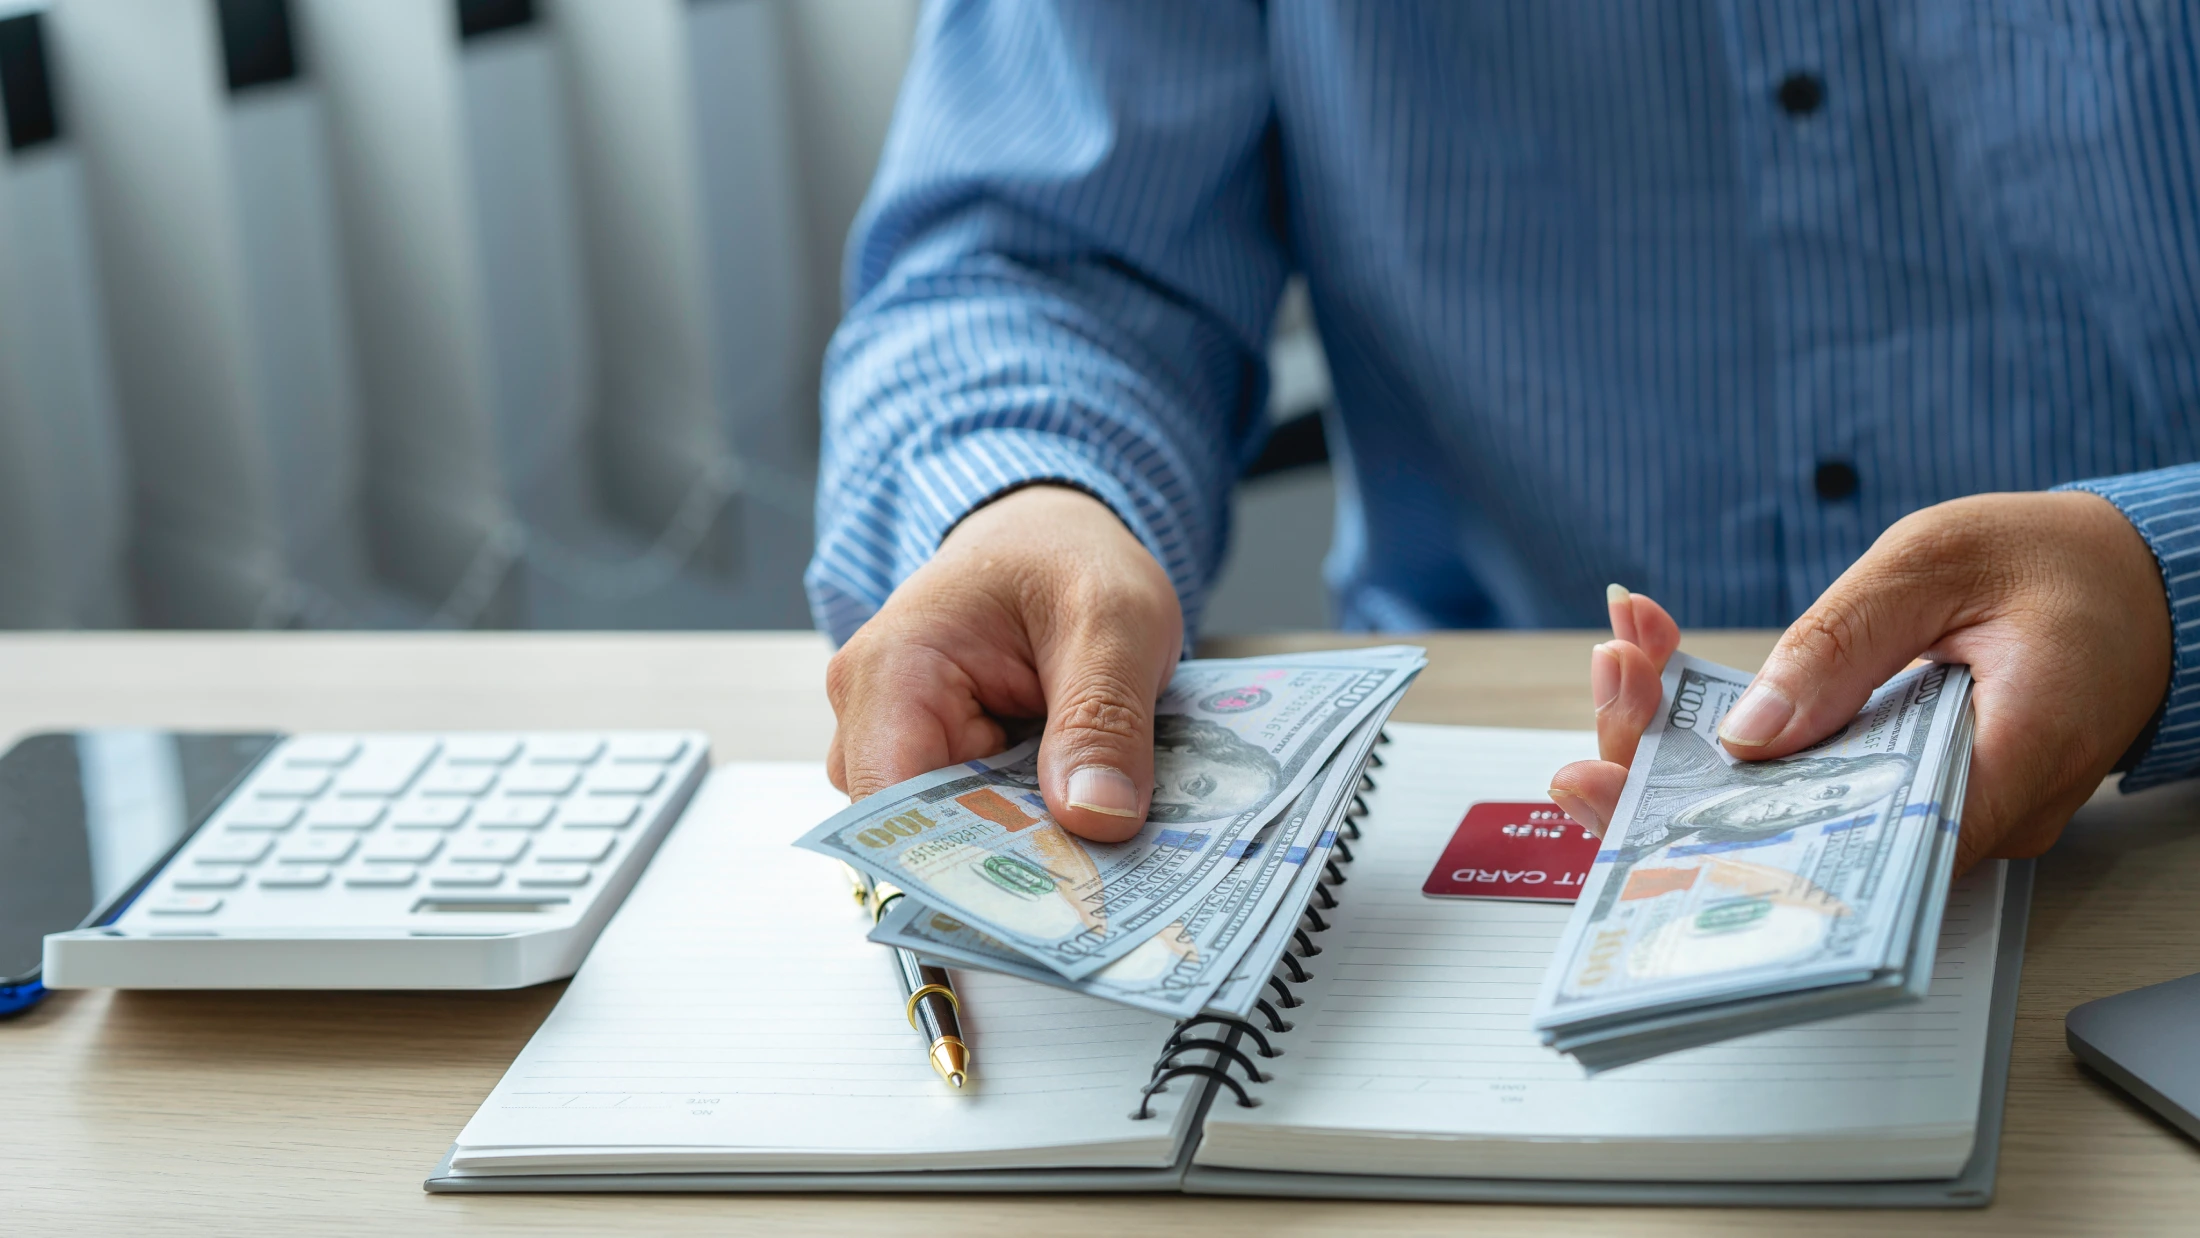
(1526, 851)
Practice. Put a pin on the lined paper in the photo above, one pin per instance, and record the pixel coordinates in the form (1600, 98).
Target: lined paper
(1415, 1030)
(733, 1018)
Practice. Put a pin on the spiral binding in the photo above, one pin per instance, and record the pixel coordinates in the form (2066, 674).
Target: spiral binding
(1228, 1053)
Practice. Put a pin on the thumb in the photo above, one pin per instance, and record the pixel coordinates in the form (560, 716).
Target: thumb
(1096, 762)
(1872, 622)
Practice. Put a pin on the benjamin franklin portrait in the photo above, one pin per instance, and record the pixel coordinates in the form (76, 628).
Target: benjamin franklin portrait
(1202, 771)
(1701, 800)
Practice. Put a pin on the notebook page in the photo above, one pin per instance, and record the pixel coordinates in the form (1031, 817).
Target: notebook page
(732, 1017)
(1416, 1025)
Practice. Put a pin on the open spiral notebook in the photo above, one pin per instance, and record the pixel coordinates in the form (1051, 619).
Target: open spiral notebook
(732, 1030)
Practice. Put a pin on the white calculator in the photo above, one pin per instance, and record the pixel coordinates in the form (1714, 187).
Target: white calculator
(397, 861)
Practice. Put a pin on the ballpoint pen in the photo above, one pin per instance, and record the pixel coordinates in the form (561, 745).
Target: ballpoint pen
(932, 1002)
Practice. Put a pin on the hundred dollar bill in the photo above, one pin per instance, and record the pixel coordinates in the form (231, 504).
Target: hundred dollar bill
(1174, 971)
(1164, 974)
(1731, 891)
(1619, 1042)
(1236, 740)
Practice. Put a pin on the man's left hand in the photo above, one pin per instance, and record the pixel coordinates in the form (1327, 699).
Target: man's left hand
(2052, 598)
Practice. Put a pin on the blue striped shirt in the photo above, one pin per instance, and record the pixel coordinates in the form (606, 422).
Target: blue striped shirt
(1695, 297)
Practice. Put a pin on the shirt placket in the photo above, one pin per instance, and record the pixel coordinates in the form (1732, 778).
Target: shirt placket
(1799, 91)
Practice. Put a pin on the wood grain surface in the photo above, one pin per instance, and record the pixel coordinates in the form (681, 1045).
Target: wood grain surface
(288, 1113)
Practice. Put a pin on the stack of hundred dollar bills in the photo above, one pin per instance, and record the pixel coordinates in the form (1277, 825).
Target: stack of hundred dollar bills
(1732, 897)
(1256, 763)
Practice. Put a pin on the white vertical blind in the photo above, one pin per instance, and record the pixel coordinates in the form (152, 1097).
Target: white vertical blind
(657, 436)
(588, 259)
(846, 57)
(141, 84)
(31, 593)
(759, 225)
(438, 520)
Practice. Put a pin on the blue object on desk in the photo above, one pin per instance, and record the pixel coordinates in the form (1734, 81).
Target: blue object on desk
(17, 998)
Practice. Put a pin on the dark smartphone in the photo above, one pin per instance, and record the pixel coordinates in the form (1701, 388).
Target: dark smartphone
(87, 818)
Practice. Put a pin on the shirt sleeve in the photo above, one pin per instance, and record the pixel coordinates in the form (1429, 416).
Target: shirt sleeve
(1066, 271)
(2164, 505)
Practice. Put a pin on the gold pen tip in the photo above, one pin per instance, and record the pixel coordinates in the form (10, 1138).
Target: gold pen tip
(952, 1060)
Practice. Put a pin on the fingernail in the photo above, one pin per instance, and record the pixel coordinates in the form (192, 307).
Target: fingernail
(1619, 609)
(1097, 788)
(1760, 715)
(1604, 675)
(1577, 808)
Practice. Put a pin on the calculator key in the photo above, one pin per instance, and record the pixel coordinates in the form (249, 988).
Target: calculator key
(564, 750)
(316, 848)
(468, 876)
(480, 749)
(382, 876)
(433, 815)
(325, 750)
(295, 877)
(513, 815)
(291, 784)
(226, 877)
(386, 768)
(232, 849)
(624, 780)
(613, 812)
(345, 815)
(456, 780)
(541, 780)
(261, 815)
(575, 848)
(185, 905)
(555, 876)
(648, 749)
(413, 848)
(488, 848)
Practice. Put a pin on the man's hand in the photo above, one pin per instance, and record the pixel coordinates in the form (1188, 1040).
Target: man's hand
(1038, 605)
(2054, 601)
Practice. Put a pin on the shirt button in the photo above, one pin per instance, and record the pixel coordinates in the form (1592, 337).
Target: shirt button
(1835, 480)
(1800, 94)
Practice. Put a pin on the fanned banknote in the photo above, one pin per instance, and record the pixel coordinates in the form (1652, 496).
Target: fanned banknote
(1236, 741)
(1176, 970)
(1735, 896)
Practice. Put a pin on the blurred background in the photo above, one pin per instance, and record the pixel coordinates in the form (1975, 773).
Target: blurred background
(460, 314)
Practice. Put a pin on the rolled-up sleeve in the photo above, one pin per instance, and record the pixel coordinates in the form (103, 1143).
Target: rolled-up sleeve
(2164, 505)
(1065, 271)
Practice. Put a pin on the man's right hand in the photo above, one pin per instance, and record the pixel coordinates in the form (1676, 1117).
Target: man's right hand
(1039, 604)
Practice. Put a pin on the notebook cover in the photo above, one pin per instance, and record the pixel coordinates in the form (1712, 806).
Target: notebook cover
(948, 1181)
(1973, 1188)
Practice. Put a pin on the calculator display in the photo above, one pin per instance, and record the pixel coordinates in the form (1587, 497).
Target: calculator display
(86, 815)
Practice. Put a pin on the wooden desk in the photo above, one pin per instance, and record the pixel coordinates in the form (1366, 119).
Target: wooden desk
(283, 1113)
